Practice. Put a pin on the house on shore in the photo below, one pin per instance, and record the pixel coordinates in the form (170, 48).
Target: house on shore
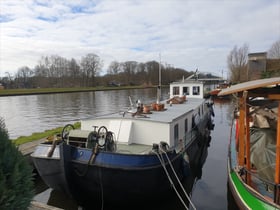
(259, 66)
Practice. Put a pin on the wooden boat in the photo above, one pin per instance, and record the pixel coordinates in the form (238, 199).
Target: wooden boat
(254, 148)
(143, 152)
(218, 89)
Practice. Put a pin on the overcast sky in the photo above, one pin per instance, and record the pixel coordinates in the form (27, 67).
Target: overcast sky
(187, 34)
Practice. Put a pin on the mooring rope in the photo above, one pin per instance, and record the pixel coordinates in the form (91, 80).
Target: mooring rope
(101, 187)
(178, 180)
(170, 180)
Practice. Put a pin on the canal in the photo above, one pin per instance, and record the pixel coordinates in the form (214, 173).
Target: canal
(25, 115)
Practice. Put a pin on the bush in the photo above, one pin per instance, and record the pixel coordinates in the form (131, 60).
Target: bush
(16, 182)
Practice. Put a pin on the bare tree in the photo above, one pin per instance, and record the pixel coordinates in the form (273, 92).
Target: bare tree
(237, 63)
(129, 68)
(91, 65)
(23, 77)
(152, 72)
(74, 72)
(274, 51)
(114, 68)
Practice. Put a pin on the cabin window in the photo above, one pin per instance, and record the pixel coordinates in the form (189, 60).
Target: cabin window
(186, 91)
(196, 90)
(176, 134)
(186, 125)
(176, 90)
(193, 123)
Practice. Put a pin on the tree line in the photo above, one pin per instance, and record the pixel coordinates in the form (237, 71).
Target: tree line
(55, 71)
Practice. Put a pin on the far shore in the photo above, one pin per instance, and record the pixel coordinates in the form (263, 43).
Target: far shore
(37, 91)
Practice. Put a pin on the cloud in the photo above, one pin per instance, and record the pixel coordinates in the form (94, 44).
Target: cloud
(188, 34)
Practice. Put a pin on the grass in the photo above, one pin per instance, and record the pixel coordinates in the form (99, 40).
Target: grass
(36, 136)
(34, 91)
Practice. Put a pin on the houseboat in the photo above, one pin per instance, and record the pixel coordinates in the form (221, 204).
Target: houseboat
(143, 152)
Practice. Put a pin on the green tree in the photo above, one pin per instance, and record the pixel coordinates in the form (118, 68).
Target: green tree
(16, 184)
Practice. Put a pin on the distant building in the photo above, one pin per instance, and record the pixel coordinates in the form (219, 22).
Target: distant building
(1, 87)
(259, 66)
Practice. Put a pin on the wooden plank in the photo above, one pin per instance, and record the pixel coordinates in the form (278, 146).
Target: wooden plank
(247, 136)
(273, 97)
(277, 171)
(277, 161)
(241, 140)
(250, 85)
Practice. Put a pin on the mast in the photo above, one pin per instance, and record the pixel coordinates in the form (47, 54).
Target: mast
(159, 82)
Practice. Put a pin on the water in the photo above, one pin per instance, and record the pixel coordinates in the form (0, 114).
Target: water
(211, 190)
(25, 115)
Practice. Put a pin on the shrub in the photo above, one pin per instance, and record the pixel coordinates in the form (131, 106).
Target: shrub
(16, 182)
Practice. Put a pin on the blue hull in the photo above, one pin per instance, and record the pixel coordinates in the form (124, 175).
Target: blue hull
(119, 177)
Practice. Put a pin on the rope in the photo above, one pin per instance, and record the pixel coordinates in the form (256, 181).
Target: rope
(170, 180)
(90, 161)
(101, 187)
(178, 180)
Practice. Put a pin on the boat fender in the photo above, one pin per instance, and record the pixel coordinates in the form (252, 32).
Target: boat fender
(236, 134)
(186, 165)
(210, 124)
(196, 119)
(210, 106)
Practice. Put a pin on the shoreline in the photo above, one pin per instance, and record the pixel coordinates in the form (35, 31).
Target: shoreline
(41, 91)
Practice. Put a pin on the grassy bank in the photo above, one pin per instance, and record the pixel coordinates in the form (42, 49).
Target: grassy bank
(36, 136)
(35, 91)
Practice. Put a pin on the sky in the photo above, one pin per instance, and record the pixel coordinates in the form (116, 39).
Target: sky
(188, 34)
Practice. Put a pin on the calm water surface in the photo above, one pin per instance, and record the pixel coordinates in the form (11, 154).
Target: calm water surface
(25, 115)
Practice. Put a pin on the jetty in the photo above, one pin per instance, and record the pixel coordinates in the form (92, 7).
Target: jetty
(34, 205)
(26, 149)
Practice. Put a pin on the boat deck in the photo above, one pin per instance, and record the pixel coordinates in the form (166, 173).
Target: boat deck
(133, 148)
(166, 116)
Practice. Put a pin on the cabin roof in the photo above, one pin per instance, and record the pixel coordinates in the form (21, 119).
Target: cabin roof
(169, 113)
(254, 84)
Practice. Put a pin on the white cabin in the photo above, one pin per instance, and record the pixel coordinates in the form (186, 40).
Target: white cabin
(171, 124)
(188, 88)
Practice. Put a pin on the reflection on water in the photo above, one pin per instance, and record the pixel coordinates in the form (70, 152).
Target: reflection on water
(52, 197)
(211, 190)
